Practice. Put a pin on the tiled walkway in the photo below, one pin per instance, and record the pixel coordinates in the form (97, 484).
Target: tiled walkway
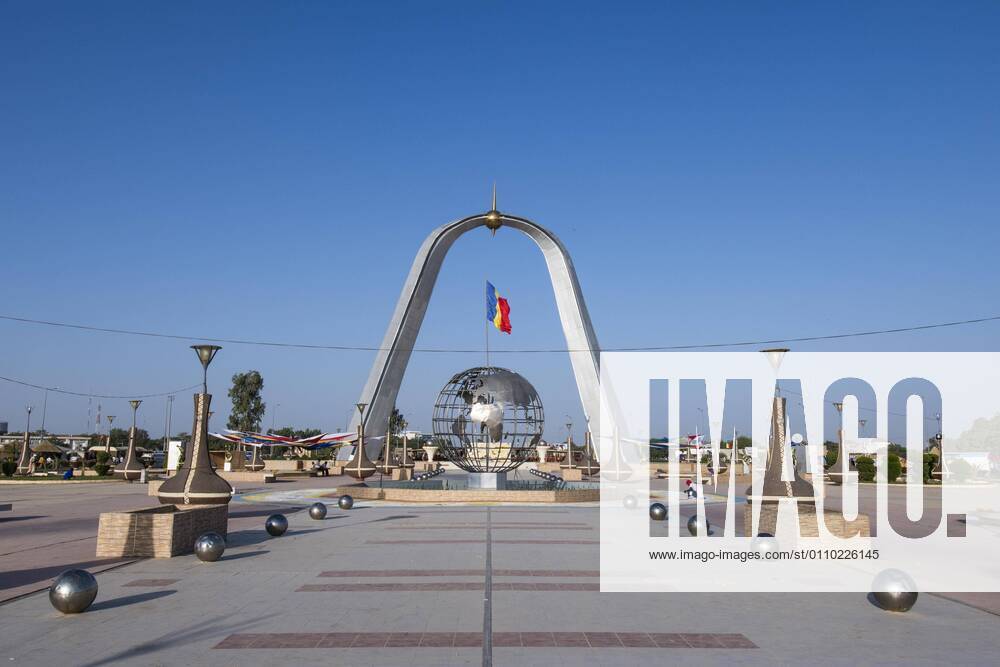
(391, 585)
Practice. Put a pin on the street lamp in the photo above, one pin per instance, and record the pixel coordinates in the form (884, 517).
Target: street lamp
(386, 467)
(24, 463)
(775, 487)
(45, 406)
(938, 471)
(131, 469)
(166, 428)
(840, 467)
(197, 483)
(568, 463)
(107, 447)
(360, 466)
(205, 354)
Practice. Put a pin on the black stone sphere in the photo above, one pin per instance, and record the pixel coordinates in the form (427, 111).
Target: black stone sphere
(699, 528)
(894, 590)
(345, 502)
(657, 512)
(209, 547)
(276, 525)
(73, 591)
(764, 542)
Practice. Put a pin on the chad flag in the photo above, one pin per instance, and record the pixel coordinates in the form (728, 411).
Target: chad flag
(497, 309)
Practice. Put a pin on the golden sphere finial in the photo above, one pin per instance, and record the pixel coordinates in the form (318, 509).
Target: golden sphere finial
(493, 218)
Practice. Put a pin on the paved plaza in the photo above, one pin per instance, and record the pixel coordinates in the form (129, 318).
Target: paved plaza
(418, 585)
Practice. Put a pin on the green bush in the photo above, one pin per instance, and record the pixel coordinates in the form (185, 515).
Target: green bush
(961, 470)
(895, 468)
(830, 457)
(930, 460)
(866, 468)
(8, 468)
(102, 469)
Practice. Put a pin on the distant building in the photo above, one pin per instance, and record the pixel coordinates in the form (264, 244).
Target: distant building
(3, 428)
(76, 443)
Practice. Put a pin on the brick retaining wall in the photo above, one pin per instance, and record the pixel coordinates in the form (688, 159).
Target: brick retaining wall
(157, 532)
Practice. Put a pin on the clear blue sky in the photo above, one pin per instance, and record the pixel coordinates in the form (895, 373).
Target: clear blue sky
(268, 170)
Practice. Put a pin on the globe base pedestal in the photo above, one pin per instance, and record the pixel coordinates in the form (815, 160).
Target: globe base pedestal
(487, 480)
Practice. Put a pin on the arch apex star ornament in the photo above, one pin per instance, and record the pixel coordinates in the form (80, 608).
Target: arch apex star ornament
(494, 219)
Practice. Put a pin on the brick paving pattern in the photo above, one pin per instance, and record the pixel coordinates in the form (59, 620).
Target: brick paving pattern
(475, 639)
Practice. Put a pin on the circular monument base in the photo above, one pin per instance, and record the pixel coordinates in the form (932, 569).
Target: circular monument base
(488, 480)
(471, 495)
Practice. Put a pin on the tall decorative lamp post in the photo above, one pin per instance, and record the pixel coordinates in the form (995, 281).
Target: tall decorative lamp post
(107, 445)
(590, 464)
(776, 489)
(196, 483)
(568, 463)
(842, 465)
(130, 468)
(360, 466)
(939, 471)
(406, 462)
(24, 462)
(386, 466)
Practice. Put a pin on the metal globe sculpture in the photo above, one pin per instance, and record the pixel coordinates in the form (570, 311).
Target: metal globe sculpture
(630, 502)
(764, 543)
(657, 512)
(209, 547)
(317, 511)
(696, 527)
(488, 419)
(345, 502)
(73, 591)
(894, 590)
(276, 525)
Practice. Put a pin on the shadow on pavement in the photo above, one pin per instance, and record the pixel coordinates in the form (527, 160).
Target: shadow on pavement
(130, 599)
(248, 554)
(15, 578)
(242, 538)
(267, 511)
(198, 631)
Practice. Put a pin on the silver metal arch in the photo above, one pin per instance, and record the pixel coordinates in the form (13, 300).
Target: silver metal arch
(387, 371)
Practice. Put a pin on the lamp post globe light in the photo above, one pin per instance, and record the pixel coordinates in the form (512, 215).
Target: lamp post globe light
(196, 483)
